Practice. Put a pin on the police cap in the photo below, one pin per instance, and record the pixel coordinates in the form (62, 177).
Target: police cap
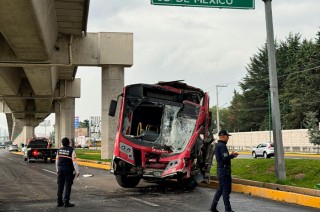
(223, 132)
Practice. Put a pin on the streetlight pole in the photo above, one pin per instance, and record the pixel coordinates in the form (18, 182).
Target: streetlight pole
(217, 106)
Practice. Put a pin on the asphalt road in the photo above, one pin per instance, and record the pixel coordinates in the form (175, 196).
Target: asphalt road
(32, 187)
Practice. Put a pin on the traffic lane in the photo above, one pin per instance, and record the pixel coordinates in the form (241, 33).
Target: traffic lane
(23, 185)
(94, 193)
(100, 192)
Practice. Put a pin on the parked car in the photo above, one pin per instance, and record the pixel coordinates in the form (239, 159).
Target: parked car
(265, 150)
(13, 148)
(2, 146)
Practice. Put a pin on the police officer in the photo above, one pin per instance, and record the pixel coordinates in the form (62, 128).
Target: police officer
(67, 169)
(223, 159)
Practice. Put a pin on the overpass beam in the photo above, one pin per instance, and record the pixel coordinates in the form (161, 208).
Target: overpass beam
(43, 80)
(23, 129)
(34, 35)
(112, 85)
(9, 124)
(95, 49)
(10, 80)
(4, 107)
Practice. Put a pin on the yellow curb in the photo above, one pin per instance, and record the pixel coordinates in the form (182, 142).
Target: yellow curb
(91, 153)
(83, 162)
(304, 155)
(95, 165)
(94, 161)
(282, 196)
(289, 154)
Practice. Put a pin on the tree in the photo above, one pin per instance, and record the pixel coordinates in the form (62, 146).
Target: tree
(84, 124)
(223, 118)
(311, 124)
(52, 137)
(298, 65)
(235, 117)
(251, 107)
(300, 82)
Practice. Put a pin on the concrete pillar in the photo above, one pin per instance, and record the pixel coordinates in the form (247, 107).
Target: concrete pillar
(65, 120)
(27, 133)
(57, 143)
(112, 85)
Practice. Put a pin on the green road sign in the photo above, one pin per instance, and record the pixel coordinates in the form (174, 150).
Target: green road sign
(232, 4)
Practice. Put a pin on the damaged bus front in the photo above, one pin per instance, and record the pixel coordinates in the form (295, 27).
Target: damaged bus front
(163, 133)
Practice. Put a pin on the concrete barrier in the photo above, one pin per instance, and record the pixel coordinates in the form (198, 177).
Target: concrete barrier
(296, 140)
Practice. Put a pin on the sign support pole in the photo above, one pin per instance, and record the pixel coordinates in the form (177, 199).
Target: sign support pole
(276, 123)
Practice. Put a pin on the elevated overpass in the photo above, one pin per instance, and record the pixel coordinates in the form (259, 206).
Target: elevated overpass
(42, 43)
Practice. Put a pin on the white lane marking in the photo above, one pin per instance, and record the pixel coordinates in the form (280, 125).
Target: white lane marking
(49, 171)
(145, 202)
(10, 158)
(23, 163)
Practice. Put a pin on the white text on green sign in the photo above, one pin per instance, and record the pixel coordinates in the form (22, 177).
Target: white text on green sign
(236, 4)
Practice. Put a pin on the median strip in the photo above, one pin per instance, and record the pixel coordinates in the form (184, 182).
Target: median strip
(105, 166)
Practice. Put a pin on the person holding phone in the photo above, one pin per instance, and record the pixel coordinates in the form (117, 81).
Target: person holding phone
(223, 159)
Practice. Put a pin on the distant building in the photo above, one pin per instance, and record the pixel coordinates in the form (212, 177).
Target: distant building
(4, 136)
(95, 127)
(81, 132)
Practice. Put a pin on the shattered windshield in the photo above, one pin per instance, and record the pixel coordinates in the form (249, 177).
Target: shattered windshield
(158, 124)
(176, 130)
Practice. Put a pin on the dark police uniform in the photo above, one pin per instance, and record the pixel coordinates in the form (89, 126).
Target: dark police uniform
(223, 159)
(66, 165)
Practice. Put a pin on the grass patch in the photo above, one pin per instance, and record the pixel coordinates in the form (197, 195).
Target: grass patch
(90, 154)
(263, 170)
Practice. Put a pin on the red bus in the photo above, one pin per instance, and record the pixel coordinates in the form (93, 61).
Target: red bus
(163, 133)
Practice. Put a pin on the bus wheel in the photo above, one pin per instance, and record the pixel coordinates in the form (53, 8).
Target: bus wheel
(127, 181)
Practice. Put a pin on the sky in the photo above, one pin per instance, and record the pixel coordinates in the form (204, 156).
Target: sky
(205, 47)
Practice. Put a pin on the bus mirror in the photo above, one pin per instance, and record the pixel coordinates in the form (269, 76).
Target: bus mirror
(112, 108)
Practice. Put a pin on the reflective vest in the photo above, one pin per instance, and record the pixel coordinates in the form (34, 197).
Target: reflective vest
(65, 157)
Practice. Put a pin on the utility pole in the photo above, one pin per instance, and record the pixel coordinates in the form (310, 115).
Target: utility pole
(217, 97)
(276, 124)
(269, 115)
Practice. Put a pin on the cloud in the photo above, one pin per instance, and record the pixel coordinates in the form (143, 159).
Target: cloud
(203, 46)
